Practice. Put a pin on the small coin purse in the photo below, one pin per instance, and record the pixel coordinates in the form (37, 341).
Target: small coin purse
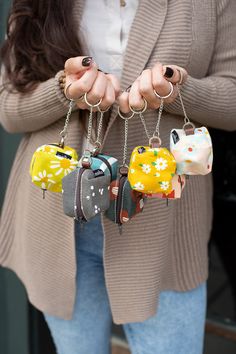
(192, 149)
(50, 163)
(84, 194)
(151, 170)
(125, 202)
(178, 184)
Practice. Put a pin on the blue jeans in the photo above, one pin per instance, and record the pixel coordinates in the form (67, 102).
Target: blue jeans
(178, 327)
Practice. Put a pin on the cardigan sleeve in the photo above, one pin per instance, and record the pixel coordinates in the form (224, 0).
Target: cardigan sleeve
(28, 112)
(211, 101)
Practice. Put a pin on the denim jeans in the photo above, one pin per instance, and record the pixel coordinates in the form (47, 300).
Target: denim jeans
(177, 328)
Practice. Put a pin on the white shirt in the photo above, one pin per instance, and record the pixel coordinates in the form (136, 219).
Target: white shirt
(105, 27)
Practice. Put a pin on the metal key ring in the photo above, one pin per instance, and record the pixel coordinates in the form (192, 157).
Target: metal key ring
(105, 110)
(81, 98)
(90, 104)
(123, 117)
(139, 111)
(169, 94)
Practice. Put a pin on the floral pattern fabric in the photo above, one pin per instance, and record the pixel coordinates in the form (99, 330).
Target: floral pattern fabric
(49, 164)
(193, 153)
(151, 170)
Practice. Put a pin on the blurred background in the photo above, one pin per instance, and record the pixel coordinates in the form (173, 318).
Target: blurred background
(22, 327)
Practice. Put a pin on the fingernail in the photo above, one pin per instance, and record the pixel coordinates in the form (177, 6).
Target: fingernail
(87, 61)
(169, 72)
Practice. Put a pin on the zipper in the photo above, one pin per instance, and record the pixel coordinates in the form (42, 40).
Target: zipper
(79, 214)
(119, 200)
(106, 163)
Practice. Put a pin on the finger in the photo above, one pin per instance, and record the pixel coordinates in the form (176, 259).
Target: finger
(135, 98)
(115, 82)
(123, 102)
(77, 64)
(98, 89)
(146, 89)
(175, 74)
(109, 97)
(160, 84)
(75, 88)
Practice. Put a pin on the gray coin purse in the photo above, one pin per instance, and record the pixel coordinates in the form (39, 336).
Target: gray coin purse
(84, 195)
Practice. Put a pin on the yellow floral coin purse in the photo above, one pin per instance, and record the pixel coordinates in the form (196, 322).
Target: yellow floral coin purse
(151, 170)
(152, 167)
(50, 163)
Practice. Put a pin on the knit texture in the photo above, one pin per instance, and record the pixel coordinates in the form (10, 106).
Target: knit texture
(165, 247)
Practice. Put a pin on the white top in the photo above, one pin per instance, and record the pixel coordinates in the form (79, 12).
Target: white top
(105, 27)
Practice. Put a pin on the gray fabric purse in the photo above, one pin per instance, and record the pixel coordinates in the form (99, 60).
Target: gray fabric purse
(84, 195)
(86, 189)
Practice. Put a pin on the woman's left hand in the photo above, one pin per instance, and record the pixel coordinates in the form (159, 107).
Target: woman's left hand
(160, 79)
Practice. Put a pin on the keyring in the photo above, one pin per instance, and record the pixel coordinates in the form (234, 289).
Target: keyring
(105, 110)
(169, 94)
(139, 111)
(155, 141)
(72, 99)
(123, 117)
(90, 104)
(181, 77)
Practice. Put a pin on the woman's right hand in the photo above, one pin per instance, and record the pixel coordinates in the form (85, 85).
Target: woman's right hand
(83, 76)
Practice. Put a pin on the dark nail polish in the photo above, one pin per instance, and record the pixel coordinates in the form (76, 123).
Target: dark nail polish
(87, 61)
(169, 72)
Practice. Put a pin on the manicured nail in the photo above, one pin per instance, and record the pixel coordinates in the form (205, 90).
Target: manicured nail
(87, 61)
(169, 72)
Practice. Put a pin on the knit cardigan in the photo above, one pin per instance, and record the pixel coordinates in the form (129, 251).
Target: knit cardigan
(165, 247)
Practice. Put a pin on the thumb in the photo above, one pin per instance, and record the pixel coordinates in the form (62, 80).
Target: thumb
(77, 64)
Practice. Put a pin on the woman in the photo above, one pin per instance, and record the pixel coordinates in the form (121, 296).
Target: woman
(152, 279)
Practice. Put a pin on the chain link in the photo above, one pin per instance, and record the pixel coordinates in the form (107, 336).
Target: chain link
(126, 142)
(100, 124)
(63, 133)
(157, 129)
(186, 118)
(90, 126)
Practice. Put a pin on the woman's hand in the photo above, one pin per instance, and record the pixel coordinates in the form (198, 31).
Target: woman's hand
(156, 79)
(83, 76)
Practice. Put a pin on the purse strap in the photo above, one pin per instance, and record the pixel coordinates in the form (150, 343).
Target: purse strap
(154, 139)
(188, 126)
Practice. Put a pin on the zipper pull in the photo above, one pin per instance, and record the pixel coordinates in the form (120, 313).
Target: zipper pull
(167, 202)
(44, 193)
(120, 229)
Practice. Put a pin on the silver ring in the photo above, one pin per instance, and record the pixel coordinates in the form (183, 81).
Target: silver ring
(189, 124)
(72, 99)
(123, 117)
(181, 77)
(89, 104)
(103, 111)
(139, 111)
(169, 94)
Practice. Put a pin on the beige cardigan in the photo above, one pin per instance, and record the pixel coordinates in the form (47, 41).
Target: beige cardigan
(164, 247)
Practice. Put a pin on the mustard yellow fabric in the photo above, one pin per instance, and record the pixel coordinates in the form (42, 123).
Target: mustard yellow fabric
(49, 164)
(151, 170)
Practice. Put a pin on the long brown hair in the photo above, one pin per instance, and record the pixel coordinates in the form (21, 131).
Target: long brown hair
(41, 36)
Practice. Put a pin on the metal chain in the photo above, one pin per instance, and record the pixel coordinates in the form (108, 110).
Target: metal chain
(63, 133)
(90, 126)
(100, 124)
(157, 129)
(125, 142)
(186, 118)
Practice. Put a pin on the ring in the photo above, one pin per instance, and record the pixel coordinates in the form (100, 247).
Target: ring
(105, 110)
(90, 104)
(139, 111)
(181, 76)
(123, 117)
(72, 99)
(169, 94)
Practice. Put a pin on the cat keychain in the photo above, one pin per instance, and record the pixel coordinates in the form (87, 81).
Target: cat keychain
(51, 162)
(191, 147)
